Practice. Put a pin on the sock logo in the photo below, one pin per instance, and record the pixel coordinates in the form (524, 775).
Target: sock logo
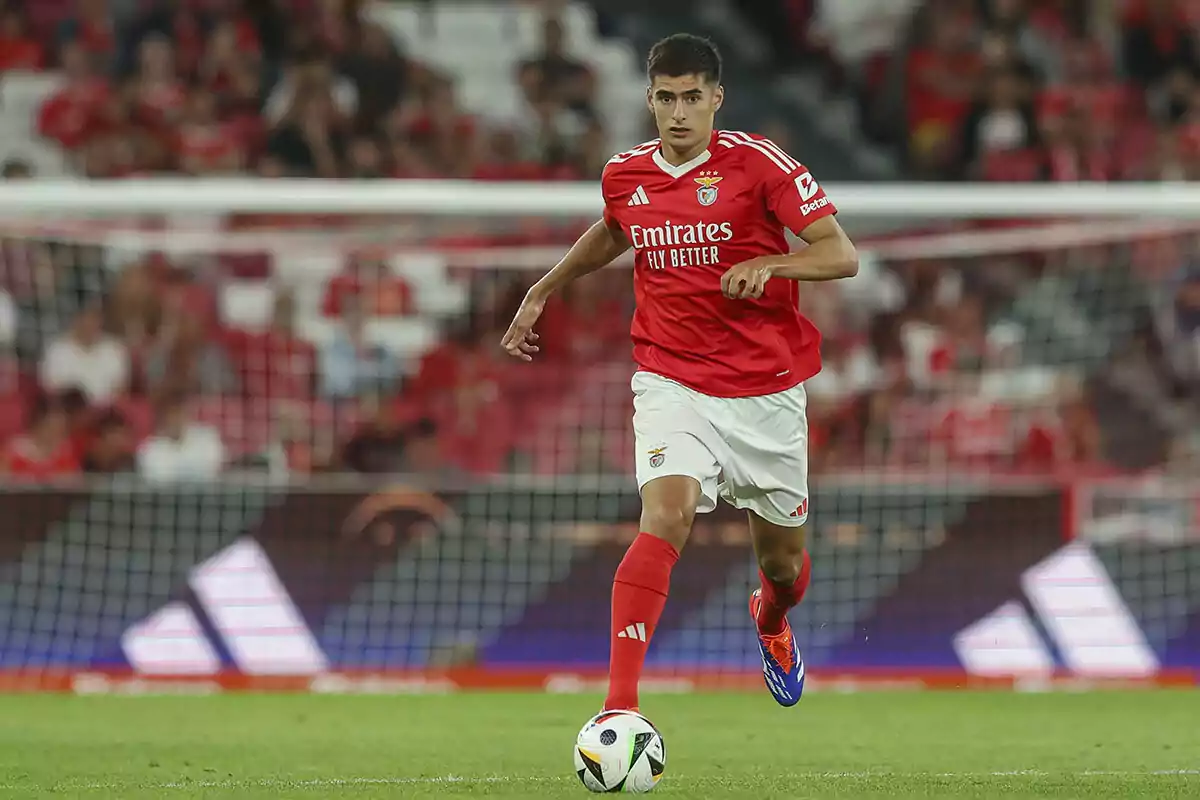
(636, 631)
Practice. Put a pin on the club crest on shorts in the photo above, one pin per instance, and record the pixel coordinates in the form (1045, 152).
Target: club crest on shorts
(657, 457)
(707, 193)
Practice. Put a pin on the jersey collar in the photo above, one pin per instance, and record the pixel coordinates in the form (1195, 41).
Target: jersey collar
(678, 171)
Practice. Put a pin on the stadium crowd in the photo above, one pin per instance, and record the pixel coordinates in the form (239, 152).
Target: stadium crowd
(136, 370)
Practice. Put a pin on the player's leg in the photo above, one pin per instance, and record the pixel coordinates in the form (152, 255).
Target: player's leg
(676, 473)
(768, 477)
(784, 570)
(643, 579)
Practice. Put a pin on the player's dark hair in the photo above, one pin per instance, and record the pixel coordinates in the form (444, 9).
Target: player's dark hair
(684, 54)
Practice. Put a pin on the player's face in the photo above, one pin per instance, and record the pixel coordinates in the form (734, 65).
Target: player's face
(684, 107)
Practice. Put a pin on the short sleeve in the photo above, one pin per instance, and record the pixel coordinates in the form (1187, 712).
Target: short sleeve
(606, 189)
(794, 196)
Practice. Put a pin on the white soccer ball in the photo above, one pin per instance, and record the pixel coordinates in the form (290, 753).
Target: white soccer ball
(620, 751)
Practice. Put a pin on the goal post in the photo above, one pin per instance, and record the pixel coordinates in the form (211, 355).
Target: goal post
(1005, 467)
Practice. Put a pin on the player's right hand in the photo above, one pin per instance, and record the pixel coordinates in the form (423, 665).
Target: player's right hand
(520, 341)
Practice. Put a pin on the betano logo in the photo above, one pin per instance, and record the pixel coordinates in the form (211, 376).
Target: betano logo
(1083, 616)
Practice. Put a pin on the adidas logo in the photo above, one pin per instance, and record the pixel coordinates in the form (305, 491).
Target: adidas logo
(639, 197)
(636, 631)
(1079, 619)
(273, 640)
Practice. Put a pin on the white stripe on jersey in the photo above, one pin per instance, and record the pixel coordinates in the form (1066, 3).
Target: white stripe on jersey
(768, 144)
(766, 147)
(641, 150)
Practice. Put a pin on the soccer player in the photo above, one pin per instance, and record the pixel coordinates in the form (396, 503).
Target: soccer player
(721, 347)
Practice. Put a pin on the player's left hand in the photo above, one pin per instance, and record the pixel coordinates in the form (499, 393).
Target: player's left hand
(745, 280)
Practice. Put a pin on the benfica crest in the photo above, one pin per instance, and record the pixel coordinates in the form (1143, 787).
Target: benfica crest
(707, 193)
(657, 457)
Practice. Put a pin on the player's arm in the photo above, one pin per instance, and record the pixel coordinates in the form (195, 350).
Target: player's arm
(596, 248)
(798, 202)
(830, 255)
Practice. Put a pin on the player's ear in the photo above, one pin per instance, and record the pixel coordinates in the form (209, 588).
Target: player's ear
(650, 98)
(718, 97)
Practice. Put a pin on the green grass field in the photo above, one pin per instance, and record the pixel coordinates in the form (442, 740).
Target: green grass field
(932, 745)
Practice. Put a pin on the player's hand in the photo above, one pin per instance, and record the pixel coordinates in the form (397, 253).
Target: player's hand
(520, 341)
(745, 280)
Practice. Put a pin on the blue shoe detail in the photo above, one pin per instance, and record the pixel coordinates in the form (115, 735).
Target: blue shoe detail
(786, 686)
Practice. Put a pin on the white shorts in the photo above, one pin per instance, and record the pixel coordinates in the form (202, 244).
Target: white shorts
(750, 451)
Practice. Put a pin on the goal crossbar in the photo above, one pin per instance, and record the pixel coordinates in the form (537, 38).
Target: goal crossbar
(965, 200)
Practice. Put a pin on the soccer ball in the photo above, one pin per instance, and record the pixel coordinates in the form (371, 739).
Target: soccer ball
(620, 751)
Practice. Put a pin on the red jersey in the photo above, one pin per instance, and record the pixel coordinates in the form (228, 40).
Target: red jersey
(690, 223)
(25, 461)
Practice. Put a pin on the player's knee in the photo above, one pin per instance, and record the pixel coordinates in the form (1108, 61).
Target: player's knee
(668, 521)
(782, 567)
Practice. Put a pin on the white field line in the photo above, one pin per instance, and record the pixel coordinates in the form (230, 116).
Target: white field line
(319, 783)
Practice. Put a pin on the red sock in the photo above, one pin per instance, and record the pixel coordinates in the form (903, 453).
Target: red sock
(639, 594)
(777, 599)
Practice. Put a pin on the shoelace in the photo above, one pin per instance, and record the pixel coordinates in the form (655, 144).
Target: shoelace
(780, 648)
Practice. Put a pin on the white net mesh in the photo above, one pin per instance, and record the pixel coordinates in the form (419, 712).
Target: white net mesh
(990, 390)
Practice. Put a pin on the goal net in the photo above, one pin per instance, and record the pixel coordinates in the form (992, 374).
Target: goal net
(1005, 482)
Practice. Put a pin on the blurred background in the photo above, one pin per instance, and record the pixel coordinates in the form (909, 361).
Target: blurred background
(1006, 431)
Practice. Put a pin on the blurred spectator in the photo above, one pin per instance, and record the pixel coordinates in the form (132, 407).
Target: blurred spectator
(276, 363)
(74, 113)
(1017, 37)
(310, 75)
(19, 48)
(111, 447)
(378, 71)
(942, 76)
(370, 282)
(93, 26)
(44, 451)
(204, 144)
(180, 449)
(350, 365)
(442, 129)
(1002, 120)
(301, 445)
(228, 53)
(1065, 433)
(558, 76)
(1157, 41)
(159, 93)
(135, 303)
(47, 304)
(377, 447)
(309, 139)
(87, 358)
(185, 359)
(853, 33)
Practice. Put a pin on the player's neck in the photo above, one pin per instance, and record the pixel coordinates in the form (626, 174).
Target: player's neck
(676, 157)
